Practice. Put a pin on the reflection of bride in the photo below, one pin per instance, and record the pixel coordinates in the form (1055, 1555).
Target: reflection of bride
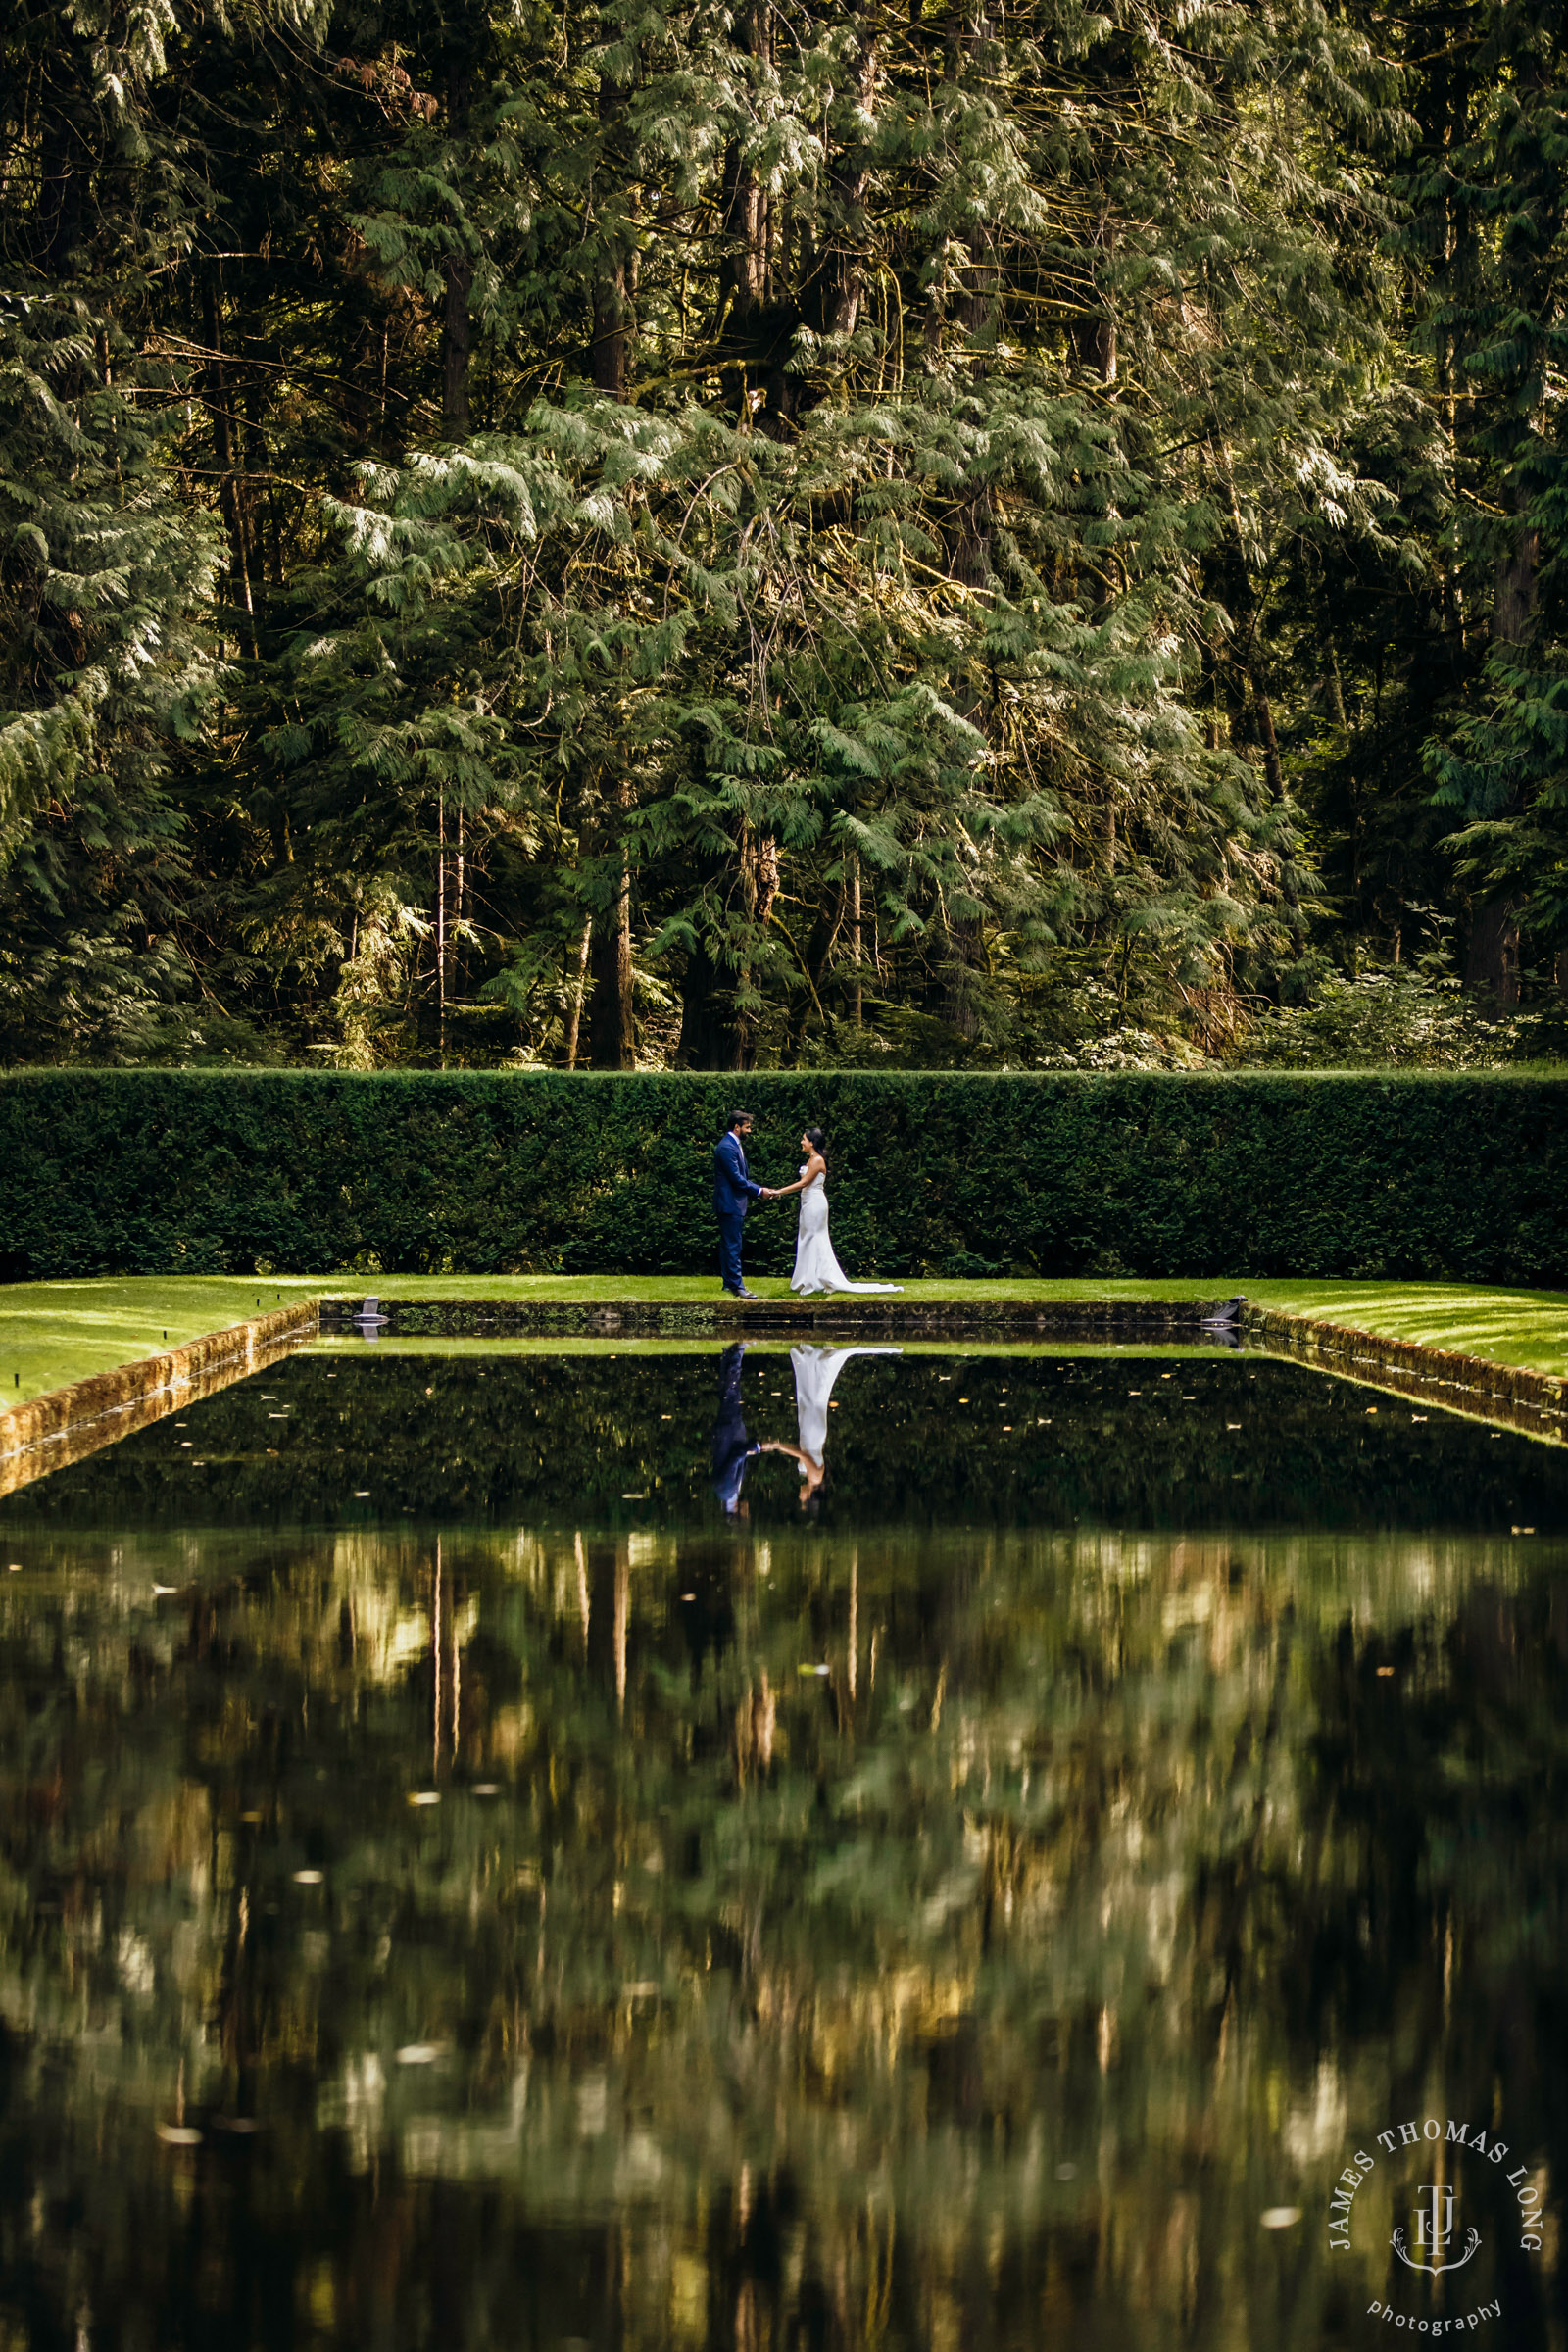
(816, 1370)
(816, 1266)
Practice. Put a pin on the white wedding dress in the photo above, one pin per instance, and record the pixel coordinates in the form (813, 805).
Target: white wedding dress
(816, 1370)
(816, 1266)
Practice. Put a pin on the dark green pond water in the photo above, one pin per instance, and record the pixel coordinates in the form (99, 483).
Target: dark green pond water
(487, 1859)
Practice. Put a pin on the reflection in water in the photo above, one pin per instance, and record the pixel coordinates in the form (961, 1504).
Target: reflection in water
(732, 1448)
(816, 1370)
(567, 1913)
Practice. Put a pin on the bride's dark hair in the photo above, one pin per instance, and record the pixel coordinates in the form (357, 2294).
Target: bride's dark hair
(817, 1140)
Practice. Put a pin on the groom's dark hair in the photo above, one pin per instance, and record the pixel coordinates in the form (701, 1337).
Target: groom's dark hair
(737, 1118)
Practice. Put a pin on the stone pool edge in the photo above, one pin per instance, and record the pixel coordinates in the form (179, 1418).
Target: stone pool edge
(1109, 1319)
(1535, 1403)
(60, 1427)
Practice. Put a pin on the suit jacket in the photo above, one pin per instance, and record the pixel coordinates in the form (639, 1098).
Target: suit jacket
(732, 1446)
(733, 1190)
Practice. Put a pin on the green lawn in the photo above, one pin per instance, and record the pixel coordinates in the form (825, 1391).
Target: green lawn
(52, 1333)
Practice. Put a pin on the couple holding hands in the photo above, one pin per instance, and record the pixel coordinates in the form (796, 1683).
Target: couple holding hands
(735, 1189)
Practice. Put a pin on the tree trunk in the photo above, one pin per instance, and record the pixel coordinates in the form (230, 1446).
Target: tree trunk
(611, 1044)
(709, 1038)
(1492, 959)
(1263, 710)
(757, 331)
(744, 273)
(856, 996)
(59, 186)
(611, 336)
(456, 346)
(574, 1008)
(1247, 615)
(457, 327)
(460, 883)
(441, 929)
(611, 1037)
(841, 273)
(714, 1034)
(1513, 610)
(220, 411)
(613, 319)
(1094, 336)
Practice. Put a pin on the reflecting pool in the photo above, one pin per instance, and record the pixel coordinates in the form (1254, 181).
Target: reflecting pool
(759, 1848)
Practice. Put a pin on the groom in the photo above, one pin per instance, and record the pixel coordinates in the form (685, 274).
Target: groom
(734, 1191)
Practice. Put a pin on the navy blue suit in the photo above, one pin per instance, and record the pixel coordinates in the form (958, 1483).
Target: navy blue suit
(732, 1448)
(733, 1195)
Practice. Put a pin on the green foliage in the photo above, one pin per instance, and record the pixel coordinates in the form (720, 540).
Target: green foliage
(639, 536)
(727, 533)
(1413, 1018)
(955, 1175)
(102, 676)
(1498, 761)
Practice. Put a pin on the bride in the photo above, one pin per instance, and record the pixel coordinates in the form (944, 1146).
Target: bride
(816, 1266)
(816, 1370)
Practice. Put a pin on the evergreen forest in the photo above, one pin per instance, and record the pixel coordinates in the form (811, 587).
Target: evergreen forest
(791, 532)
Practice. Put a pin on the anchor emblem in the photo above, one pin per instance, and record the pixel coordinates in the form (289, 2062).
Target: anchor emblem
(1434, 2233)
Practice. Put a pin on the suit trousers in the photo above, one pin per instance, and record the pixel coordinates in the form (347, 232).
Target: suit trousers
(731, 1231)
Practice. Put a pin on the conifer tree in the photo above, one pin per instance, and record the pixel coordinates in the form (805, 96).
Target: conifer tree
(1500, 290)
(676, 534)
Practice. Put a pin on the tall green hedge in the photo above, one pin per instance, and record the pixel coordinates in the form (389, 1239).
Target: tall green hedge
(196, 1173)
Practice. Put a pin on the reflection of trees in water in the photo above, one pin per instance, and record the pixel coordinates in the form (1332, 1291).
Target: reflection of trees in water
(763, 1999)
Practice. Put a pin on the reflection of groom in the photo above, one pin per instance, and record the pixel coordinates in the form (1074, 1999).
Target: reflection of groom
(732, 1446)
(734, 1191)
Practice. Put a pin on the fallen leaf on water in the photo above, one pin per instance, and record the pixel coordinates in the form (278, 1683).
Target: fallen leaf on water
(180, 2135)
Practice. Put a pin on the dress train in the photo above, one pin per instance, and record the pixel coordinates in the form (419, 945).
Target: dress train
(816, 1266)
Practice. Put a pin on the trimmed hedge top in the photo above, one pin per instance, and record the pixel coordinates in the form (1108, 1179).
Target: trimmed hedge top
(1363, 1174)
